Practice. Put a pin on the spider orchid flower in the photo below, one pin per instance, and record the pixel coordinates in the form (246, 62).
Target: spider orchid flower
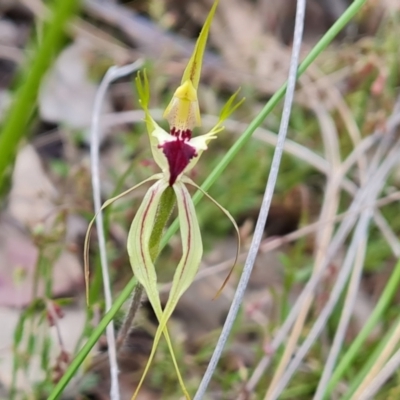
(176, 152)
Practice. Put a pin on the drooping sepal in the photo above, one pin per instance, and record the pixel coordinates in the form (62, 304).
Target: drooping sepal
(90, 226)
(144, 269)
(185, 179)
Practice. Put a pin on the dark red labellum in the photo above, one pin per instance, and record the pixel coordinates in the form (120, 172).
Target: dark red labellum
(178, 153)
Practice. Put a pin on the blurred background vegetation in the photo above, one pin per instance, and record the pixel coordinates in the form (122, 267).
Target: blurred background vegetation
(53, 55)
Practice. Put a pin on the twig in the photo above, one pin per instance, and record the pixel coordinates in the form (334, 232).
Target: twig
(259, 230)
(51, 310)
(112, 74)
(130, 316)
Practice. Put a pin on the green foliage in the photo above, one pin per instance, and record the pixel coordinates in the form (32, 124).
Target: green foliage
(238, 190)
(15, 126)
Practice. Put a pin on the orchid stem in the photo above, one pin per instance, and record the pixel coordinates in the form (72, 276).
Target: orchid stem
(167, 204)
(130, 316)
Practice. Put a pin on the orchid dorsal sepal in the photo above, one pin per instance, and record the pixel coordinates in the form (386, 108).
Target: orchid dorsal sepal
(193, 69)
(228, 214)
(183, 110)
(90, 226)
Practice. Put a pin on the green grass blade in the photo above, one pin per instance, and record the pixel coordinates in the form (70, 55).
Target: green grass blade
(351, 353)
(16, 123)
(369, 364)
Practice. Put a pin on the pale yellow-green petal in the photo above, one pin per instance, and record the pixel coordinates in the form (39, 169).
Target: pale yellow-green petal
(229, 107)
(144, 269)
(192, 245)
(185, 179)
(192, 251)
(89, 229)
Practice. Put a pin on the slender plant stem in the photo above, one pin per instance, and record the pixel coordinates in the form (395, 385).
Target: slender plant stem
(112, 74)
(266, 203)
(348, 308)
(166, 205)
(15, 126)
(130, 315)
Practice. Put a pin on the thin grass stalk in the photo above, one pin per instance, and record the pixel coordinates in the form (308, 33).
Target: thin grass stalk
(348, 308)
(362, 197)
(352, 291)
(379, 363)
(382, 305)
(322, 239)
(126, 292)
(130, 315)
(370, 191)
(390, 368)
(16, 123)
(349, 301)
(366, 367)
(111, 75)
(269, 191)
(325, 313)
(335, 180)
